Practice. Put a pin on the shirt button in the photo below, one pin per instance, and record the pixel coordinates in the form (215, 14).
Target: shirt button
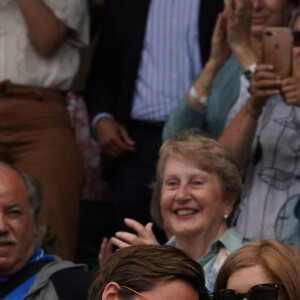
(174, 75)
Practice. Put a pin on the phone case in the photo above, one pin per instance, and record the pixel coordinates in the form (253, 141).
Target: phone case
(277, 49)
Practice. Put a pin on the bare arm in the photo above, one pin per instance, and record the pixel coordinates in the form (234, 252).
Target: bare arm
(239, 134)
(219, 54)
(46, 32)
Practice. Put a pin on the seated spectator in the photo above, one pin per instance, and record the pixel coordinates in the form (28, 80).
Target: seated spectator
(262, 130)
(26, 272)
(198, 185)
(264, 270)
(149, 272)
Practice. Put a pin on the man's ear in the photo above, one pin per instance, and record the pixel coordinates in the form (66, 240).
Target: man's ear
(36, 222)
(111, 291)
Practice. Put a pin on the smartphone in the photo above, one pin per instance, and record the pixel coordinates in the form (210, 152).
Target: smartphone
(277, 49)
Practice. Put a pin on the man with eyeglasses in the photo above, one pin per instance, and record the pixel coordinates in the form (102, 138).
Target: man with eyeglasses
(149, 272)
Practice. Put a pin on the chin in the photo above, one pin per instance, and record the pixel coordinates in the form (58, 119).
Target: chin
(185, 231)
(257, 30)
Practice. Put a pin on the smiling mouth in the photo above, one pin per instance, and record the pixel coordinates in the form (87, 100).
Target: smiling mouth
(185, 212)
(258, 19)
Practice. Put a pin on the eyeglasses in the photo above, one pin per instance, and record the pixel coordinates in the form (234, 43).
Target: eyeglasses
(134, 291)
(265, 291)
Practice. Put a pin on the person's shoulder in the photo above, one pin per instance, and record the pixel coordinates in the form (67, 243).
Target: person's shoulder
(71, 282)
(232, 239)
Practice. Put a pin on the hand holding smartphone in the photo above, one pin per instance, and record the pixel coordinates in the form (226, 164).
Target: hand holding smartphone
(277, 49)
(296, 54)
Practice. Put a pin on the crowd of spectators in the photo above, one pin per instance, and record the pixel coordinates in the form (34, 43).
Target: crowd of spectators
(166, 113)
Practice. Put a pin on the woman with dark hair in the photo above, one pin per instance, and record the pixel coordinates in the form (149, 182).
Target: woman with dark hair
(264, 270)
(149, 272)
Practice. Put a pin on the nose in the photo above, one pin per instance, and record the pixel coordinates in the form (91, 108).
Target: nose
(183, 192)
(257, 3)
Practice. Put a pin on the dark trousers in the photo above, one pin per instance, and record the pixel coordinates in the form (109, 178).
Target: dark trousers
(130, 176)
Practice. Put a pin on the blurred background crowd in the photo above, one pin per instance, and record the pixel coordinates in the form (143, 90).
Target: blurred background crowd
(153, 122)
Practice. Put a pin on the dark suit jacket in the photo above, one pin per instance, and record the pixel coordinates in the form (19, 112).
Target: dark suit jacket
(115, 64)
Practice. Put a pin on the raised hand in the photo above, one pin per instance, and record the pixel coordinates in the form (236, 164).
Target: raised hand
(219, 47)
(106, 250)
(264, 84)
(291, 91)
(144, 235)
(238, 14)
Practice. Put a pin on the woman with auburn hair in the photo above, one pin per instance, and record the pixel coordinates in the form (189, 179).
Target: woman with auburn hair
(197, 188)
(261, 270)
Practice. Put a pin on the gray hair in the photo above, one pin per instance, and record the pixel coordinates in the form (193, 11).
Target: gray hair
(34, 192)
(209, 155)
(33, 189)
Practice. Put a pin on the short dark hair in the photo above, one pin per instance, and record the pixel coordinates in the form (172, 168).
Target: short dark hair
(141, 267)
(33, 189)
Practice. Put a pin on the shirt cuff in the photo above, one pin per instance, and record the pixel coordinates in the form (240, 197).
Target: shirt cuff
(95, 121)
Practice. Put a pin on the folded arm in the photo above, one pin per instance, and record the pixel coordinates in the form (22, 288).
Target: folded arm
(45, 30)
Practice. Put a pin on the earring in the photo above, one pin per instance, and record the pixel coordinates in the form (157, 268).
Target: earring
(225, 217)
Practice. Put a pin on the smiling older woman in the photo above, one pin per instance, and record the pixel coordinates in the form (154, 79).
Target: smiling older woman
(198, 185)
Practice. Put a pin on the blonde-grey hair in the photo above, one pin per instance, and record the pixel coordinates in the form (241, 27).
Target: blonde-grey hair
(208, 155)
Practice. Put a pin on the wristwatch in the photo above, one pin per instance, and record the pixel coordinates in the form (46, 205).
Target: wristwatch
(200, 99)
(250, 70)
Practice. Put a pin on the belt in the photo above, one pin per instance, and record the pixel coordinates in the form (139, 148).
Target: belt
(8, 89)
(147, 126)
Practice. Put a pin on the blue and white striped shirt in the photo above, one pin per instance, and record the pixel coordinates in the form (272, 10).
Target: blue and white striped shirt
(171, 58)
